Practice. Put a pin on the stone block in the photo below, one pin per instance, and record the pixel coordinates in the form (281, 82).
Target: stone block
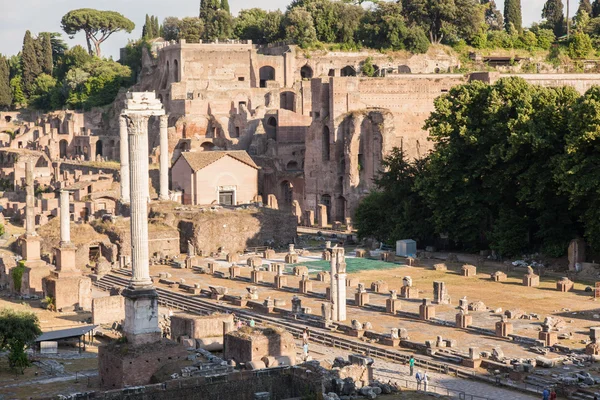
(409, 292)
(549, 338)
(361, 299)
(531, 280)
(291, 258)
(440, 267)
(361, 253)
(469, 270)
(379, 287)
(305, 286)
(300, 270)
(499, 276)
(463, 320)
(259, 343)
(280, 281)
(323, 277)
(388, 256)
(256, 276)
(426, 311)
(254, 261)
(392, 306)
(326, 255)
(352, 282)
(564, 285)
(232, 257)
(234, 272)
(269, 254)
(503, 328)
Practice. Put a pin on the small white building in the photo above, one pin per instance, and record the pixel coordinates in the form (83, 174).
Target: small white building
(406, 248)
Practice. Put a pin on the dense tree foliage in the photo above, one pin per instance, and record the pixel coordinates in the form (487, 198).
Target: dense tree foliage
(513, 18)
(96, 24)
(514, 168)
(553, 12)
(152, 28)
(18, 330)
(30, 65)
(5, 91)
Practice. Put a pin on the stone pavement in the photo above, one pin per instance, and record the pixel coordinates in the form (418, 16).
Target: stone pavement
(386, 371)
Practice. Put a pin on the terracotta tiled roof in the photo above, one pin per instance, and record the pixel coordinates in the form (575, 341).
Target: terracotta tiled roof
(201, 159)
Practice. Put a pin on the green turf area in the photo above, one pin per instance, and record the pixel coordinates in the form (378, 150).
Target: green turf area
(352, 265)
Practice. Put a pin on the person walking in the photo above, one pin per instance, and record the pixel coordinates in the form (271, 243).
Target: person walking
(305, 337)
(252, 323)
(546, 394)
(425, 381)
(553, 395)
(419, 378)
(411, 365)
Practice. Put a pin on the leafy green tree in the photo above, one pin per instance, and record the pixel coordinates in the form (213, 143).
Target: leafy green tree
(5, 91)
(493, 16)
(18, 330)
(58, 46)
(367, 68)
(41, 98)
(156, 25)
(347, 22)
(553, 12)
(259, 25)
(190, 29)
(299, 27)
(147, 28)
(29, 63)
(513, 15)
(16, 87)
(75, 57)
(580, 45)
(324, 19)
(132, 56)
(171, 28)
(545, 38)
(446, 19)
(490, 180)
(97, 25)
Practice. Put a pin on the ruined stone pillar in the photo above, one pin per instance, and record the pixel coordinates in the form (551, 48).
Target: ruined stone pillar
(138, 169)
(29, 199)
(65, 220)
(164, 158)
(338, 284)
(124, 157)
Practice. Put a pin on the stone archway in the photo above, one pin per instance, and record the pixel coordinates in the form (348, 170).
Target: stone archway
(265, 74)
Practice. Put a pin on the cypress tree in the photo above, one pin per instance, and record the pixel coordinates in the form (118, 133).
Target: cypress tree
(585, 6)
(5, 91)
(155, 27)
(225, 5)
(29, 63)
(512, 15)
(46, 61)
(554, 13)
(147, 29)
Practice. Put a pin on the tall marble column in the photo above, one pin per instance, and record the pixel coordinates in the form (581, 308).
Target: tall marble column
(138, 169)
(29, 199)
(338, 284)
(65, 220)
(124, 157)
(164, 158)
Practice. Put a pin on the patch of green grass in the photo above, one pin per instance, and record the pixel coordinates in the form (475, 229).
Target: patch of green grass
(352, 265)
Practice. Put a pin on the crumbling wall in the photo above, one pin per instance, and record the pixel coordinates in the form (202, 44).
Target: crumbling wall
(108, 309)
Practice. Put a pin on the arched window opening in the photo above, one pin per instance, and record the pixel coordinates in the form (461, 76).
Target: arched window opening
(326, 146)
(306, 72)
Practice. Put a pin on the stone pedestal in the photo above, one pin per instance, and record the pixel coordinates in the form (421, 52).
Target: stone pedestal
(190, 262)
(309, 218)
(531, 280)
(499, 276)
(471, 363)
(31, 247)
(564, 285)
(361, 299)
(69, 291)
(360, 253)
(426, 311)
(392, 306)
(504, 328)
(256, 276)
(387, 341)
(328, 293)
(352, 282)
(388, 257)
(463, 320)
(305, 286)
(322, 215)
(469, 270)
(65, 258)
(326, 255)
(440, 293)
(549, 338)
(291, 258)
(323, 277)
(212, 267)
(269, 254)
(232, 257)
(409, 292)
(380, 287)
(234, 272)
(140, 325)
(280, 281)
(357, 333)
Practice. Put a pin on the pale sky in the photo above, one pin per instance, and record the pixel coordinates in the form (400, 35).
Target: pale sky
(16, 16)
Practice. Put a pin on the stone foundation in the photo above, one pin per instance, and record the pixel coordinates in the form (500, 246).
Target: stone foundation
(69, 292)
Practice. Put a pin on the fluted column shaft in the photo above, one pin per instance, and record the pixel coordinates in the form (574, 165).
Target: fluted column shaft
(29, 199)
(124, 158)
(164, 158)
(138, 169)
(65, 220)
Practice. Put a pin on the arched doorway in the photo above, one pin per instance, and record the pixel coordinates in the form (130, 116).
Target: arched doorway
(340, 209)
(404, 69)
(266, 73)
(306, 72)
(99, 148)
(184, 146)
(207, 146)
(272, 128)
(326, 146)
(286, 193)
(292, 166)
(62, 148)
(287, 100)
(175, 71)
(348, 70)
(167, 77)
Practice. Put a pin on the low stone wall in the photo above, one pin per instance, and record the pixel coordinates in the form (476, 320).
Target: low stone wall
(106, 310)
(281, 383)
(198, 326)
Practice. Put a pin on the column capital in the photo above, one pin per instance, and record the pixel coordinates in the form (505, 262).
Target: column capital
(164, 121)
(137, 124)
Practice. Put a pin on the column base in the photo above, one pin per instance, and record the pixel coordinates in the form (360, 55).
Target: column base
(141, 316)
